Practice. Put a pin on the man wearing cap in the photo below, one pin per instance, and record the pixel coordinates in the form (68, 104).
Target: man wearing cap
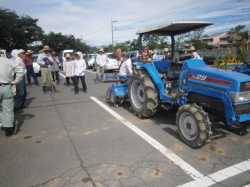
(44, 59)
(194, 53)
(153, 56)
(29, 67)
(6, 95)
(54, 69)
(101, 60)
(166, 54)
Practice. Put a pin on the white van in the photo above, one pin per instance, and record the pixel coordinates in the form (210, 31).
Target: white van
(63, 54)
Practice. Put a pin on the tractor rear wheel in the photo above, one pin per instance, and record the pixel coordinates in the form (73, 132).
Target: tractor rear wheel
(143, 94)
(193, 125)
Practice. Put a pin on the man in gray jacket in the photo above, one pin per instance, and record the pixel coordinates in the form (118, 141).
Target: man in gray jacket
(6, 94)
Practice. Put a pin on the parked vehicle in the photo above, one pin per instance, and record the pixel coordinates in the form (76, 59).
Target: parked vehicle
(90, 59)
(3, 53)
(62, 55)
(111, 64)
(36, 66)
(203, 94)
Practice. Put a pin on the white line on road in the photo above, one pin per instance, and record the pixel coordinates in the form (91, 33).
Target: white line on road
(65, 76)
(90, 71)
(169, 154)
(219, 175)
(248, 185)
(199, 179)
(62, 75)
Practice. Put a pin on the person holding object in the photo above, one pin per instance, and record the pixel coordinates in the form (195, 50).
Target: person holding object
(43, 60)
(29, 67)
(54, 69)
(126, 67)
(78, 68)
(67, 67)
(101, 60)
(7, 67)
(194, 53)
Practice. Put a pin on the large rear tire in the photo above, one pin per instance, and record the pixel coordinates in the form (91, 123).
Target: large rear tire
(143, 94)
(193, 125)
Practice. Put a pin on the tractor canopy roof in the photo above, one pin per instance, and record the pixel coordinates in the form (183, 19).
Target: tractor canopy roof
(174, 28)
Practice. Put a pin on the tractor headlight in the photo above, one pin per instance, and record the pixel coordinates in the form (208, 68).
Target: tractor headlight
(243, 97)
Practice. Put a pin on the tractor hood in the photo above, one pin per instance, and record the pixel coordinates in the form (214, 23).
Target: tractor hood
(200, 73)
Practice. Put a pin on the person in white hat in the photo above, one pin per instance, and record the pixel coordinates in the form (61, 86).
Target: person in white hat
(21, 93)
(67, 67)
(78, 70)
(44, 59)
(29, 67)
(194, 53)
(153, 56)
(166, 54)
(101, 60)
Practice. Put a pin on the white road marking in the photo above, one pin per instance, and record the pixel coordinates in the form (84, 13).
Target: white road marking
(65, 76)
(62, 75)
(248, 185)
(199, 179)
(90, 71)
(219, 176)
(169, 154)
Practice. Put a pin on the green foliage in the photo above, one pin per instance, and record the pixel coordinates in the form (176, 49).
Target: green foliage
(17, 31)
(59, 42)
(241, 54)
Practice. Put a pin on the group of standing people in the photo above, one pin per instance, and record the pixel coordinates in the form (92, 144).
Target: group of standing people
(73, 68)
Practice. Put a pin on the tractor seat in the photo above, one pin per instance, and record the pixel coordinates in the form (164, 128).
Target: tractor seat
(174, 68)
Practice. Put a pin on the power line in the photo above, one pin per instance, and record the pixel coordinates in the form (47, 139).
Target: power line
(171, 9)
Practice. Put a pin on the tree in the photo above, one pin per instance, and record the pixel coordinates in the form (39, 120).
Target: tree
(59, 42)
(17, 31)
(239, 42)
(195, 36)
(179, 42)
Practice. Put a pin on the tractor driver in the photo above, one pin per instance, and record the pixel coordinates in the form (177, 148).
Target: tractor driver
(193, 52)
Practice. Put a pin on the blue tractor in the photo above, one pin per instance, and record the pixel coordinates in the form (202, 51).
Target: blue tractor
(202, 94)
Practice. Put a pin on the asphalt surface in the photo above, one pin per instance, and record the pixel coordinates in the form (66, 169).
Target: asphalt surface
(71, 140)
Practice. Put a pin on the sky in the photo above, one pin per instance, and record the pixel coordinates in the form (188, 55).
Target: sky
(90, 20)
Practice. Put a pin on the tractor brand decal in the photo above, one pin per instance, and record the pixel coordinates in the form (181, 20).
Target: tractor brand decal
(209, 79)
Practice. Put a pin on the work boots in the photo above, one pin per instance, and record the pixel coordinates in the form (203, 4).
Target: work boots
(11, 130)
(44, 89)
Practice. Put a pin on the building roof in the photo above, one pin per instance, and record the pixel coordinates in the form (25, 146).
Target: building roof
(214, 35)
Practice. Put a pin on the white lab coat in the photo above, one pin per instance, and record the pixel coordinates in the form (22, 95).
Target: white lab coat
(101, 60)
(196, 56)
(126, 67)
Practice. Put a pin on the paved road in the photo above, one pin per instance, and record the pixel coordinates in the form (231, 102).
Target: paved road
(82, 140)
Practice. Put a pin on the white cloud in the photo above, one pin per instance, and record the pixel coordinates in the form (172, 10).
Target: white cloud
(91, 20)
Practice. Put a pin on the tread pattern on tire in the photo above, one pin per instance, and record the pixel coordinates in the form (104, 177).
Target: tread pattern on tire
(151, 103)
(203, 122)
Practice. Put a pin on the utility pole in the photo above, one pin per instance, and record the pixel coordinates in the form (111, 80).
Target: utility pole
(112, 33)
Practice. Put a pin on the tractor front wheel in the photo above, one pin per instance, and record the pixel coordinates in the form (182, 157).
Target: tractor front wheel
(193, 125)
(143, 94)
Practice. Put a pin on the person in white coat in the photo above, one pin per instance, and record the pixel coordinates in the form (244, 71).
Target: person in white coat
(21, 93)
(194, 53)
(101, 60)
(126, 67)
(78, 68)
(67, 68)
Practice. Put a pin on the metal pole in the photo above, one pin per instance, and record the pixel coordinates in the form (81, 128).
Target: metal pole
(112, 34)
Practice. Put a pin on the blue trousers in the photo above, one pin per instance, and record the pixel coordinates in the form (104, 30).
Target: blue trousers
(30, 72)
(21, 94)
